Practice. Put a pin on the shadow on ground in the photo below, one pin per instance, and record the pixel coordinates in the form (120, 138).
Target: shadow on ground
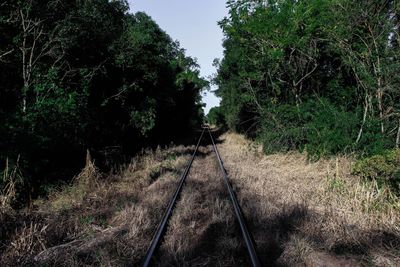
(276, 231)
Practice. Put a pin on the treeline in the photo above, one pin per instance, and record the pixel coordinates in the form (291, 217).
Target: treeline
(216, 117)
(86, 74)
(315, 75)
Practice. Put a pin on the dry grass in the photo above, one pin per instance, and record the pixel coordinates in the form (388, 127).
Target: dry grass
(30, 239)
(300, 213)
(87, 181)
(8, 194)
(314, 206)
(202, 231)
(97, 220)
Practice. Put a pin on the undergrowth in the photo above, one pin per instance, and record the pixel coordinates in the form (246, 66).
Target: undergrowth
(382, 169)
(83, 223)
(11, 177)
(319, 128)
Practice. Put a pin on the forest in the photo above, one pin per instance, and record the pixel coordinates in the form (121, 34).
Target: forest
(100, 110)
(318, 76)
(81, 76)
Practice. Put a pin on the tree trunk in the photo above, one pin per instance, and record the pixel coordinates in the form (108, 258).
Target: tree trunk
(398, 137)
(24, 50)
(377, 68)
(32, 33)
(364, 119)
(380, 105)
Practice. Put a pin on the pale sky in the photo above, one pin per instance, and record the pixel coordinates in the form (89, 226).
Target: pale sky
(194, 24)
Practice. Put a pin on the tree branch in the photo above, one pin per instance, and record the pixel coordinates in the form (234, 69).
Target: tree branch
(6, 53)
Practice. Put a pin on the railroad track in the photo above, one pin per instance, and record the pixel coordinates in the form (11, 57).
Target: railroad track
(251, 250)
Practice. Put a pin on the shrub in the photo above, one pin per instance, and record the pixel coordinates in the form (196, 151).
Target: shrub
(281, 129)
(329, 129)
(215, 117)
(320, 128)
(383, 168)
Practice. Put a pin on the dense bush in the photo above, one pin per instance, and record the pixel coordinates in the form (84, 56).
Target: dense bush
(79, 75)
(319, 128)
(314, 75)
(383, 168)
(216, 117)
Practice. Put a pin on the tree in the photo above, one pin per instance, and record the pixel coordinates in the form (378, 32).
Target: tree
(215, 116)
(80, 75)
(289, 66)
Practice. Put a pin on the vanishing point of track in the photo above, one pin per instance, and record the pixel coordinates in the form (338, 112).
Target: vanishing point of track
(239, 215)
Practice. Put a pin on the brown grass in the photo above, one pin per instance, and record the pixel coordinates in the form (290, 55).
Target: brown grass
(202, 231)
(300, 213)
(314, 207)
(8, 194)
(98, 219)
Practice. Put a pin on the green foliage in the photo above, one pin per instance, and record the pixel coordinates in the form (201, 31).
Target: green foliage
(312, 75)
(215, 117)
(336, 184)
(284, 131)
(86, 220)
(384, 168)
(80, 75)
(316, 126)
(329, 129)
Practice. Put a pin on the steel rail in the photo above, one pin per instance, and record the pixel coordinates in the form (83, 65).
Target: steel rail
(243, 227)
(161, 228)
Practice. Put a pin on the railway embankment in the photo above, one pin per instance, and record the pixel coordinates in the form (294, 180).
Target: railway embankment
(299, 213)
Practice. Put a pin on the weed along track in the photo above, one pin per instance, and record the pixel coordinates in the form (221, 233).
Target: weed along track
(101, 162)
(294, 212)
(201, 225)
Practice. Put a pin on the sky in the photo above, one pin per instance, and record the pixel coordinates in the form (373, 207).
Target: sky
(194, 24)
